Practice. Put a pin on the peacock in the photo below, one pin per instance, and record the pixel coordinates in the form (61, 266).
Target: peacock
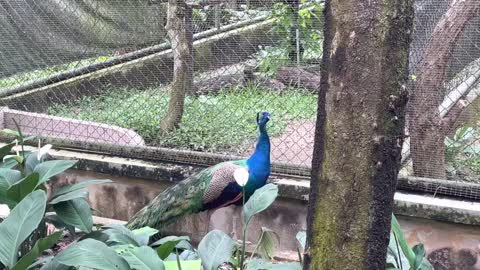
(212, 188)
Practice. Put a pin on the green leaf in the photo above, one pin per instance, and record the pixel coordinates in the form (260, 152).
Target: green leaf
(259, 264)
(11, 132)
(267, 243)
(8, 177)
(79, 193)
(145, 231)
(419, 251)
(17, 159)
(31, 162)
(21, 222)
(400, 237)
(215, 248)
(168, 244)
(395, 255)
(119, 234)
(8, 164)
(92, 254)
(53, 264)
(39, 262)
(75, 212)
(40, 246)
(186, 265)
(302, 239)
(143, 258)
(5, 150)
(261, 199)
(80, 185)
(22, 188)
(51, 168)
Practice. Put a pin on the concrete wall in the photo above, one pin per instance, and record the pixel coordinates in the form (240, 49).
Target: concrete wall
(449, 245)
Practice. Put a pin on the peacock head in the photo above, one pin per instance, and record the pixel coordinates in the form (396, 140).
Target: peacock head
(262, 118)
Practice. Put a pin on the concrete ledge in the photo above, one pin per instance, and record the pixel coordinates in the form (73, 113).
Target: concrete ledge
(413, 205)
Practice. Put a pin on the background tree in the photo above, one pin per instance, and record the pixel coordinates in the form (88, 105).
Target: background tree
(429, 121)
(359, 134)
(179, 28)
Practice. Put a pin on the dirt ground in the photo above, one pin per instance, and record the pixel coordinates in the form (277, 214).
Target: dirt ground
(295, 145)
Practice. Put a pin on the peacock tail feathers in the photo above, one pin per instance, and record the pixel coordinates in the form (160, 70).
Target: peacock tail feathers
(192, 195)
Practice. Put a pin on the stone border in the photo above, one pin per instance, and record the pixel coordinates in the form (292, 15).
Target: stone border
(66, 128)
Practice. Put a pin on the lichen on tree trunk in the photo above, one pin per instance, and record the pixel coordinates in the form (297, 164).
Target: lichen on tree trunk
(179, 28)
(359, 134)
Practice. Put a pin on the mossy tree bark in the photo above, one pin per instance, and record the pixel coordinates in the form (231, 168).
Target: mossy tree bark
(427, 128)
(359, 134)
(179, 28)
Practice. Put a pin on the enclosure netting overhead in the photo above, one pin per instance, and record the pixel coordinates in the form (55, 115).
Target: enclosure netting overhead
(105, 67)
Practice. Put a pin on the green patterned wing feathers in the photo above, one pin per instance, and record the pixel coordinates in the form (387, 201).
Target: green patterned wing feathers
(174, 202)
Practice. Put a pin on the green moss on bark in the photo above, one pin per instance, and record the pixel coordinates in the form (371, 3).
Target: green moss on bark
(359, 137)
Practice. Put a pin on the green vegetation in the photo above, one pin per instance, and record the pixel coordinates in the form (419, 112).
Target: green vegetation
(462, 153)
(218, 122)
(270, 59)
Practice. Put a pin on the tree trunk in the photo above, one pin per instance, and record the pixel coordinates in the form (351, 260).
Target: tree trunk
(359, 135)
(427, 128)
(294, 51)
(179, 27)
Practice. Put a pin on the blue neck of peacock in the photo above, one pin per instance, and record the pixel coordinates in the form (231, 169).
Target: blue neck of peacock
(259, 162)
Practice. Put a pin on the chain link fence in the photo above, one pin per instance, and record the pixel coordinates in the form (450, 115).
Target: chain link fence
(104, 76)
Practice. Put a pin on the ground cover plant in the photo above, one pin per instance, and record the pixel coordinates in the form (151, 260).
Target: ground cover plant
(214, 122)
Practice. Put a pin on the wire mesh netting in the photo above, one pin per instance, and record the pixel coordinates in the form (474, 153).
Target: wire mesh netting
(182, 81)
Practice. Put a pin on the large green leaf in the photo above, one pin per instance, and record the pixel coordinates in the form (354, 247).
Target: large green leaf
(267, 243)
(31, 162)
(9, 158)
(51, 168)
(143, 258)
(79, 193)
(145, 231)
(215, 248)
(302, 239)
(259, 264)
(395, 255)
(120, 235)
(38, 248)
(186, 265)
(261, 199)
(67, 189)
(168, 244)
(22, 188)
(92, 254)
(8, 164)
(75, 212)
(11, 132)
(400, 238)
(421, 262)
(5, 150)
(8, 177)
(21, 222)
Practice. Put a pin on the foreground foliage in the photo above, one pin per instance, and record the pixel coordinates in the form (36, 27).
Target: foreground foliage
(23, 178)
